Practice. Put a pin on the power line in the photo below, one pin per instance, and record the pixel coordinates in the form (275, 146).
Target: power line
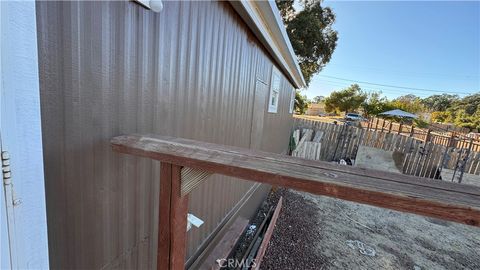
(394, 86)
(388, 91)
(400, 71)
(346, 84)
(396, 92)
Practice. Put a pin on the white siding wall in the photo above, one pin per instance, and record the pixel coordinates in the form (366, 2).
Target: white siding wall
(21, 136)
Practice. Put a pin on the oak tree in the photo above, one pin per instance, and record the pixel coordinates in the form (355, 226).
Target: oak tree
(346, 100)
(311, 34)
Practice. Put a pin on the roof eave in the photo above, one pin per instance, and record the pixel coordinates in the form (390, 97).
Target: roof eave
(263, 18)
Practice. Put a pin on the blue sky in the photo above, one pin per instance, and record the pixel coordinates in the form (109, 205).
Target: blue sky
(421, 44)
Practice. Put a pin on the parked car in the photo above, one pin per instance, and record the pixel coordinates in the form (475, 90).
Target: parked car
(354, 117)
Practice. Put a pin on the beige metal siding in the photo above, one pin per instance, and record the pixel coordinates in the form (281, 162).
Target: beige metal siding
(278, 126)
(111, 68)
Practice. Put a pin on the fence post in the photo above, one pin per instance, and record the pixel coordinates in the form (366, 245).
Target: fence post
(412, 131)
(390, 127)
(400, 128)
(465, 160)
(376, 124)
(451, 140)
(427, 137)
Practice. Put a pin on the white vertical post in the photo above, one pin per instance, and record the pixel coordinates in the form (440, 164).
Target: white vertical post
(21, 136)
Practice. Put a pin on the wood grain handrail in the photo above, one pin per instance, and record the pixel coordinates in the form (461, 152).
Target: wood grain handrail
(434, 198)
(445, 200)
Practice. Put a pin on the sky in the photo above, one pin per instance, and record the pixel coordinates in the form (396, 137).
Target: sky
(421, 44)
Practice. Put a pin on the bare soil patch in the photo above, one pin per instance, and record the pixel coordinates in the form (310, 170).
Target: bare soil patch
(312, 233)
(326, 119)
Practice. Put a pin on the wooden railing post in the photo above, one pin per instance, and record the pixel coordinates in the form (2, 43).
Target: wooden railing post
(451, 140)
(172, 222)
(427, 136)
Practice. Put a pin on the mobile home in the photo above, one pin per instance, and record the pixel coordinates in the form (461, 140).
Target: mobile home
(75, 74)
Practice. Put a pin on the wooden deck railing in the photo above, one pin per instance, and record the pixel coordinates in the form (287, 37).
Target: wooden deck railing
(182, 157)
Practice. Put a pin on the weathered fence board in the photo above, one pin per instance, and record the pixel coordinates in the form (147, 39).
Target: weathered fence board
(425, 155)
(437, 136)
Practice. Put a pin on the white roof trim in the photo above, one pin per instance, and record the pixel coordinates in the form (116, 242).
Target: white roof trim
(263, 18)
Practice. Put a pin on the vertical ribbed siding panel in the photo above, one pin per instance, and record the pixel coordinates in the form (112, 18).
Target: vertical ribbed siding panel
(111, 68)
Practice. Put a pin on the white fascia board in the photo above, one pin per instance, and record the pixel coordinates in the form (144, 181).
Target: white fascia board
(263, 18)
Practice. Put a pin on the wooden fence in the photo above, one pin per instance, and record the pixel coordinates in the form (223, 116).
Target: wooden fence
(436, 136)
(449, 128)
(421, 158)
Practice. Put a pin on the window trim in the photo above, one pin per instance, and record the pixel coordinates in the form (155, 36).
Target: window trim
(273, 108)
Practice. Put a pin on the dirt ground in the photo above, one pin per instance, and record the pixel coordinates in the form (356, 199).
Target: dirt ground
(326, 119)
(313, 232)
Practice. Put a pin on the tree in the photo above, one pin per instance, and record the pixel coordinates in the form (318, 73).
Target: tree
(439, 117)
(311, 34)
(463, 119)
(286, 9)
(301, 103)
(318, 99)
(409, 103)
(345, 100)
(375, 104)
(462, 112)
(470, 103)
(465, 112)
(439, 102)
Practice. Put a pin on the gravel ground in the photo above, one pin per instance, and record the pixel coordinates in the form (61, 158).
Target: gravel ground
(294, 240)
(312, 233)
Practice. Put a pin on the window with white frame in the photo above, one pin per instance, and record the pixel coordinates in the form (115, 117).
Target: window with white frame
(292, 100)
(274, 91)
